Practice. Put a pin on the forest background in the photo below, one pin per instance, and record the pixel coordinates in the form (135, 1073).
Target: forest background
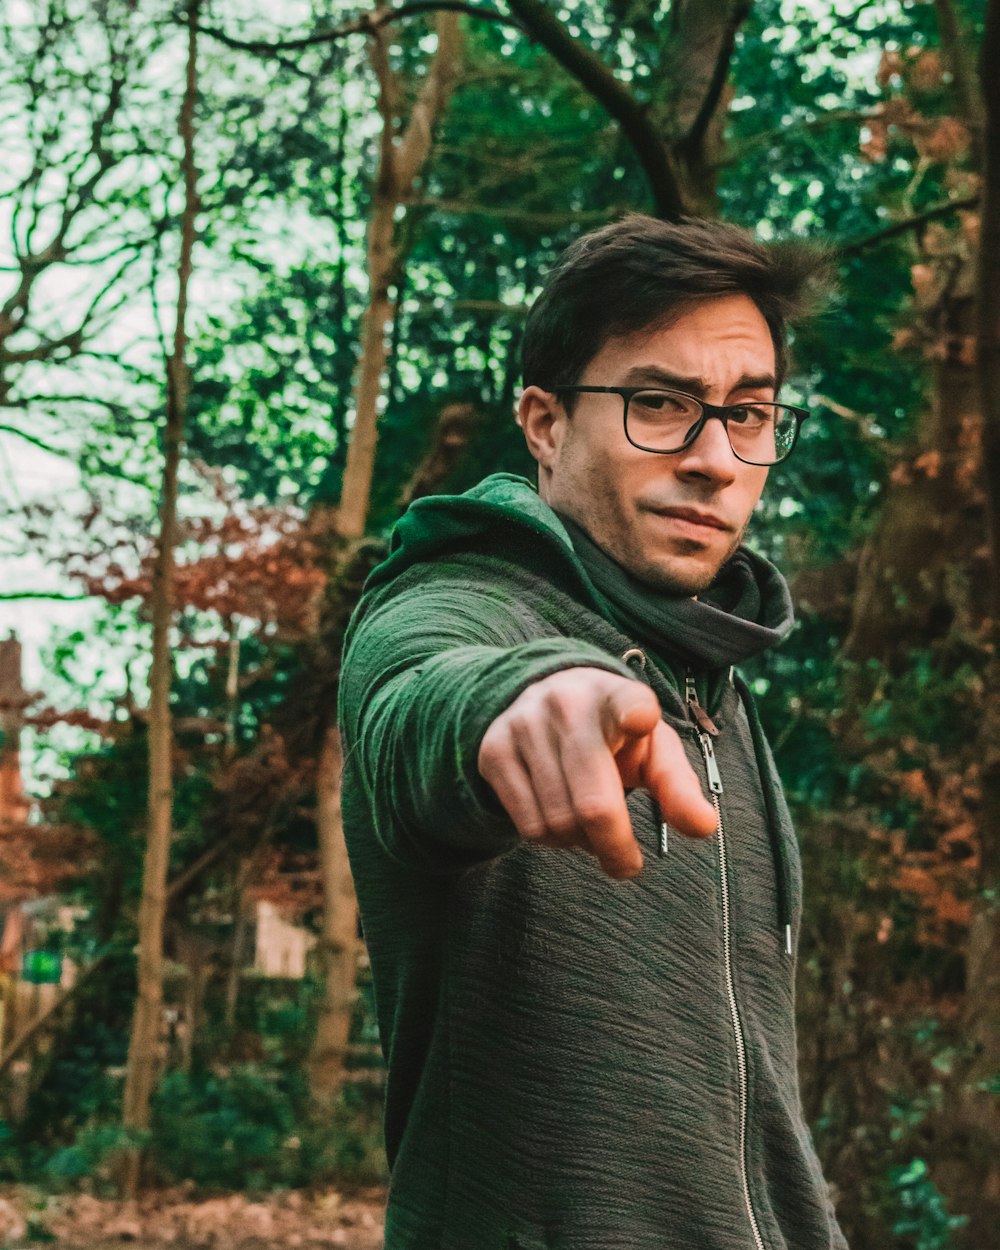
(263, 275)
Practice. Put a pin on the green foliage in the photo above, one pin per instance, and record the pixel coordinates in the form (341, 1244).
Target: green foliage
(92, 1156)
(923, 1221)
(250, 1129)
(235, 1131)
(79, 1087)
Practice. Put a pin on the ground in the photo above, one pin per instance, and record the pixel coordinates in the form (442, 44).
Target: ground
(178, 1218)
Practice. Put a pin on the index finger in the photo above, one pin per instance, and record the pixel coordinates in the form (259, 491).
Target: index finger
(667, 774)
(598, 797)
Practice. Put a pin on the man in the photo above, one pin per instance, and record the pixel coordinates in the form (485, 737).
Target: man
(576, 872)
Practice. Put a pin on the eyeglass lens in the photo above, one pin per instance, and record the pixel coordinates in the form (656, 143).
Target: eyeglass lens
(761, 433)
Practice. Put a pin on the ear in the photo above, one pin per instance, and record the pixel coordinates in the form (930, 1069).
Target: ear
(543, 419)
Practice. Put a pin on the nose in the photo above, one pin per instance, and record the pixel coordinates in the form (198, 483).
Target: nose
(710, 457)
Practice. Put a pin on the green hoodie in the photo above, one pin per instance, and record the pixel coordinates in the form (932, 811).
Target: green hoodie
(574, 1063)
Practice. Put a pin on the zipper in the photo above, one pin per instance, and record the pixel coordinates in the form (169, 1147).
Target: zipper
(705, 728)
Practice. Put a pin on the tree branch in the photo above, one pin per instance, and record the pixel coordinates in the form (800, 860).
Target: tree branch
(737, 151)
(366, 24)
(536, 217)
(73, 340)
(9, 596)
(44, 1018)
(541, 25)
(692, 142)
(43, 401)
(415, 144)
(909, 223)
(30, 438)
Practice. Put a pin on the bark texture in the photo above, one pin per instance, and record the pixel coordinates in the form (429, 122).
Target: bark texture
(144, 1041)
(339, 943)
(400, 164)
(982, 1013)
(401, 161)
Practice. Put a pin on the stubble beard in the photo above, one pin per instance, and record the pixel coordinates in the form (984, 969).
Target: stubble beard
(687, 583)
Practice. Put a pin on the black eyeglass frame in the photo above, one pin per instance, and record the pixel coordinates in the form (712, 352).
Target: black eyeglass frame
(722, 411)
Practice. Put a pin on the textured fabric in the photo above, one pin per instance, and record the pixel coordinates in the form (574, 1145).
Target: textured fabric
(562, 1058)
(746, 610)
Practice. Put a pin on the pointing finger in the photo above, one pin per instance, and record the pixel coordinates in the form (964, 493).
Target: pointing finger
(598, 797)
(668, 775)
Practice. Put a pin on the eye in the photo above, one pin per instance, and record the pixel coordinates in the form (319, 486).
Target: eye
(665, 403)
(752, 416)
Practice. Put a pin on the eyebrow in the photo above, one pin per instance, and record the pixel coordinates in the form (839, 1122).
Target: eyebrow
(655, 375)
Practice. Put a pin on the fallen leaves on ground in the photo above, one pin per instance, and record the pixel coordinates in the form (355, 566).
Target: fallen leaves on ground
(176, 1217)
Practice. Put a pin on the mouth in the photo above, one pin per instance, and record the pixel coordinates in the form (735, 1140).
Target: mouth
(703, 522)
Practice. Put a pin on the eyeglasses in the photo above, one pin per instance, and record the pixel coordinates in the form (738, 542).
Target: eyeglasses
(666, 422)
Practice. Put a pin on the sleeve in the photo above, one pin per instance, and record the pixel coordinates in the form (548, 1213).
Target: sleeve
(424, 676)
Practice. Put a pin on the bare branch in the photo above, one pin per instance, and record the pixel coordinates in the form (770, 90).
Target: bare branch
(415, 145)
(7, 596)
(30, 438)
(366, 24)
(908, 223)
(72, 340)
(387, 104)
(46, 1017)
(34, 260)
(864, 422)
(708, 26)
(836, 117)
(45, 401)
(541, 24)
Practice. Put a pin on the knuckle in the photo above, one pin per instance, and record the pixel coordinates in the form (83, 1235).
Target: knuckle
(520, 722)
(492, 752)
(593, 812)
(559, 702)
(562, 824)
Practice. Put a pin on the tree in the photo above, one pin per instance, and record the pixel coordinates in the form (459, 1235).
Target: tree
(79, 200)
(141, 1070)
(401, 161)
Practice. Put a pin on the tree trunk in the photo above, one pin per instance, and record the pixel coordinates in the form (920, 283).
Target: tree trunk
(143, 1052)
(923, 586)
(339, 944)
(982, 1000)
(400, 164)
(695, 81)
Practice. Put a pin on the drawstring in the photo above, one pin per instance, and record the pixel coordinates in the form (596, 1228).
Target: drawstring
(781, 865)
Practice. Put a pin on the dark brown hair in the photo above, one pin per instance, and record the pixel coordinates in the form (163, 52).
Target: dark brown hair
(640, 273)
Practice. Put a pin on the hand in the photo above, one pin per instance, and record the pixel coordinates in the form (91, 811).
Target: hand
(561, 757)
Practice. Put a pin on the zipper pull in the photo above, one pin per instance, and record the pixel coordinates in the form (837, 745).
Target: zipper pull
(663, 846)
(698, 714)
(711, 766)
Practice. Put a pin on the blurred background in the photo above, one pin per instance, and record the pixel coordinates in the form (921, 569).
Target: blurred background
(263, 271)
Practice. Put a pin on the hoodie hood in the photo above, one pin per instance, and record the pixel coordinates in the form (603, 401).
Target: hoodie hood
(503, 514)
(746, 610)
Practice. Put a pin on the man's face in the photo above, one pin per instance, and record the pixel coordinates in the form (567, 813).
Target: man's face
(671, 520)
